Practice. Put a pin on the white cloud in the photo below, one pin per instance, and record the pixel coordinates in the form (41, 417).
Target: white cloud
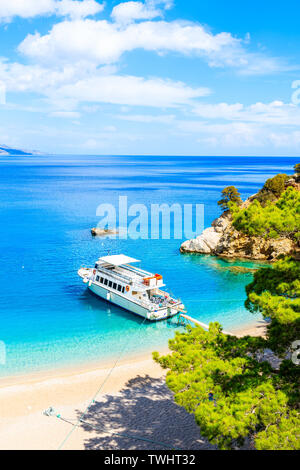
(110, 129)
(73, 69)
(232, 126)
(131, 11)
(104, 139)
(132, 91)
(35, 78)
(73, 84)
(65, 114)
(148, 118)
(104, 42)
(24, 8)
(276, 112)
(285, 139)
(218, 111)
(258, 132)
(128, 12)
(31, 8)
(229, 135)
(78, 9)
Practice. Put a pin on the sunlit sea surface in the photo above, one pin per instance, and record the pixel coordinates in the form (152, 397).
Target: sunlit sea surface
(48, 205)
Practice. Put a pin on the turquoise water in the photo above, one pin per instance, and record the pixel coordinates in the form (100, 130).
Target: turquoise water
(47, 206)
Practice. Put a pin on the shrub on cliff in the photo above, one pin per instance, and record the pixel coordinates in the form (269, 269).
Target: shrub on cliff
(272, 220)
(273, 188)
(229, 195)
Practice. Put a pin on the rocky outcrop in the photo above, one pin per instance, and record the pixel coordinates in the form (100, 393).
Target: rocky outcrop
(223, 240)
(234, 244)
(209, 240)
(294, 183)
(101, 232)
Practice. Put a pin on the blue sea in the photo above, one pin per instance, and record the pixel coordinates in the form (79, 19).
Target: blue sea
(48, 204)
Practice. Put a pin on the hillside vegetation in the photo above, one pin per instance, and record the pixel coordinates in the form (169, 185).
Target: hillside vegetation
(246, 391)
(271, 220)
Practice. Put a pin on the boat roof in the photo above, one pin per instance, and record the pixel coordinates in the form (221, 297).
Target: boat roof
(118, 260)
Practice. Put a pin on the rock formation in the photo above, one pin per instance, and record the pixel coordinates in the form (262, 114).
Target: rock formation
(223, 240)
(101, 232)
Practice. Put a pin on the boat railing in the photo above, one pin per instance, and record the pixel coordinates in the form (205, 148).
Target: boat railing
(178, 301)
(147, 305)
(115, 275)
(136, 270)
(119, 276)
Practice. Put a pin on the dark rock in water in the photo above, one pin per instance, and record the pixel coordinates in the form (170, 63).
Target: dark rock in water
(241, 270)
(101, 232)
(235, 269)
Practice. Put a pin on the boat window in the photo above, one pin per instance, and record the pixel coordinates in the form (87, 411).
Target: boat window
(123, 290)
(106, 281)
(110, 284)
(97, 278)
(115, 286)
(119, 288)
(102, 280)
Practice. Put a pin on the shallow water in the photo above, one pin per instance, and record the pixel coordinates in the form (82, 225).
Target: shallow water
(47, 207)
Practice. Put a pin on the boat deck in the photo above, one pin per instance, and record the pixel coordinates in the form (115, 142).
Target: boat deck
(128, 274)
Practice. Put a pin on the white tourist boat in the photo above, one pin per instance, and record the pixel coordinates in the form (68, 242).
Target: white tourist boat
(115, 279)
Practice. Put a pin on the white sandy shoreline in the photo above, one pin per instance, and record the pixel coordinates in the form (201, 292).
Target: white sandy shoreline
(253, 329)
(23, 400)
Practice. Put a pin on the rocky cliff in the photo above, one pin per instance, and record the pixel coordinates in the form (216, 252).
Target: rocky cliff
(223, 240)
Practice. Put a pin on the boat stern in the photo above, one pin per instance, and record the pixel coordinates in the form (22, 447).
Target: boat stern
(84, 273)
(168, 312)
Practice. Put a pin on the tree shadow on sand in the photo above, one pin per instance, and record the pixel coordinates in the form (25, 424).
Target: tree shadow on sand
(143, 409)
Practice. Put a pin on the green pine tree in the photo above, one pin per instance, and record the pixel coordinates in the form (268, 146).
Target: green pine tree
(234, 396)
(229, 195)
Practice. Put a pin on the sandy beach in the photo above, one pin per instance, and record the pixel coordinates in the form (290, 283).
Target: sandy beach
(132, 401)
(255, 329)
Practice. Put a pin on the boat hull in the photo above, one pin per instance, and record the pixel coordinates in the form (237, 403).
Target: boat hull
(129, 305)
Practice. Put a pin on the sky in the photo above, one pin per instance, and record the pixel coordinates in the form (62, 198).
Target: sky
(152, 77)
